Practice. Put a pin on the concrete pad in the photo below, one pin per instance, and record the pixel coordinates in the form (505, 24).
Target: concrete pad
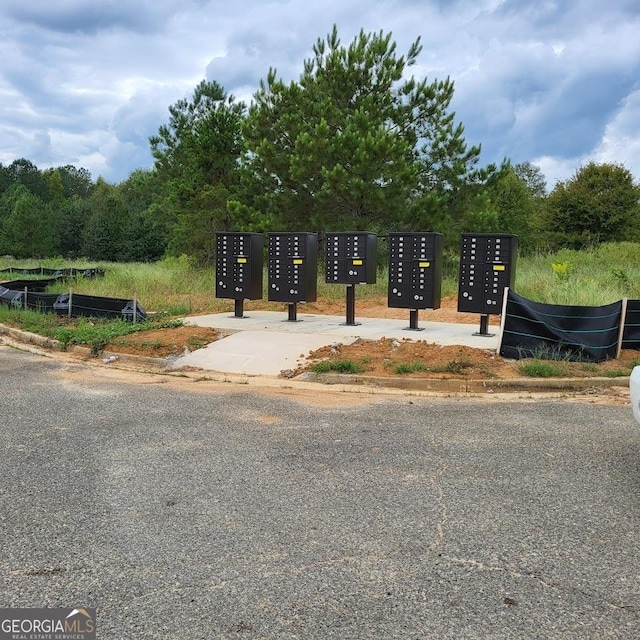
(266, 343)
(256, 352)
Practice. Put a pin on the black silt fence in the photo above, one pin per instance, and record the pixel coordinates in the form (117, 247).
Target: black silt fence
(29, 294)
(533, 329)
(31, 285)
(41, 302)
(81, 305)
(10, 297)
(631, 331)
(98, 307)
(89, 272)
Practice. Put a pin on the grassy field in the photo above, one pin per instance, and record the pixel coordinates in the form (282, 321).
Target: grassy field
(174, 286)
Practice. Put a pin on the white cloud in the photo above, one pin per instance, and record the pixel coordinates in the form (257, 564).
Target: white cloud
(620, 144)
(539, 80)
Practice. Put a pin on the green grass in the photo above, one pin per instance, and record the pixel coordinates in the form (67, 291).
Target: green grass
(339, 366)
(455, 366)
(412, 367)
(176, 286)
(44, 324)
(542, 369)
(97, 333)
(617, 373)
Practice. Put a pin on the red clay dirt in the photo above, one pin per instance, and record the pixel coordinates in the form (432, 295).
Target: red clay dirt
(386, 357)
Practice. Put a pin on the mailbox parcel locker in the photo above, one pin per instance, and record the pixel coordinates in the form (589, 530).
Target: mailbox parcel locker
(487, 266)
(351, 258)
(239, 259)
(415, 270)
(293, 267)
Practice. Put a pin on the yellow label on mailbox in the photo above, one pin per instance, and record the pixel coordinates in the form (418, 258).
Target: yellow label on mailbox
(357, 263)
(297, 261)
(499, 267)
(242, 261)
(424, 265)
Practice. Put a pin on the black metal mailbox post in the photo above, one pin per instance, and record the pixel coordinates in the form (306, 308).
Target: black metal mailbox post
(487, 266)
(293, 269)
(350, 259)
(239, 261)
(415, 272)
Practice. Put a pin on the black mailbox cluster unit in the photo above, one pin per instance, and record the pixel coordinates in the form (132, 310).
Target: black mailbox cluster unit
(487, 266)
(415, 270)
(239, 260)
(351, 258)
(293, 267)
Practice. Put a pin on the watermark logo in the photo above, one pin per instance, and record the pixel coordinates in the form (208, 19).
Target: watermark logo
(48, 624)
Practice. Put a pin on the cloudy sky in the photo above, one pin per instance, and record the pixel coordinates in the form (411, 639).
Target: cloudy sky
(86, 82)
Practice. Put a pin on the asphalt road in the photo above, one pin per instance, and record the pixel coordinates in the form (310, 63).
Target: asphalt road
(194, 510)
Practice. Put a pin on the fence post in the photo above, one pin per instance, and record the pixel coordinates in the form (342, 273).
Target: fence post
(24, 304)
(70, 299)
(135, 308)
(623, 320)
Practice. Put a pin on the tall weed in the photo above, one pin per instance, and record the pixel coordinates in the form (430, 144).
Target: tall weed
(177, 286)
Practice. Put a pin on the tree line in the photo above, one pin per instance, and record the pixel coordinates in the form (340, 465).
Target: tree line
(355, 144)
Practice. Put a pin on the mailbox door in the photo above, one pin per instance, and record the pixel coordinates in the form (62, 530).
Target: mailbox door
(415, 270)
(239, 266)
(487, 266)
(351, 258)
(292, 267)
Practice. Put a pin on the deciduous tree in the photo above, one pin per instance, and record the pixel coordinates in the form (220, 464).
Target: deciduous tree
(600, 203)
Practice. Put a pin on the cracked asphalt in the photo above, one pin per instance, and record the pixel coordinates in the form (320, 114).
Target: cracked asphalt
(186, 509)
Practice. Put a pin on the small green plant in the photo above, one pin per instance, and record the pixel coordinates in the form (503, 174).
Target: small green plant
(197, 343)
(616, 373)
(554, 352)
(152, 344)
(562, 270)
(340, 366)
(542, 369)
(457, 366)
(620, 276)
(411, 367)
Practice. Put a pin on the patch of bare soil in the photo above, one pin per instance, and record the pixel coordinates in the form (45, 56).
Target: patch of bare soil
(160, 343)
(382, 358)
(421, 359)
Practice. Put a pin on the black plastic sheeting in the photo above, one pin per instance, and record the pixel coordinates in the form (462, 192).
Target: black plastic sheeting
(31, 285)
(8, 296)
(631, 330)
(98, 307)
(81, 305)
(90, 272)
(13, 293)
(548, 331)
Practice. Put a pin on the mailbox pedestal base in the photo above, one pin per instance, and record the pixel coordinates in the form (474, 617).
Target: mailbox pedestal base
(238, 309)
(292, 312)
(413, 321)
(351, 306)
(484, 326)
